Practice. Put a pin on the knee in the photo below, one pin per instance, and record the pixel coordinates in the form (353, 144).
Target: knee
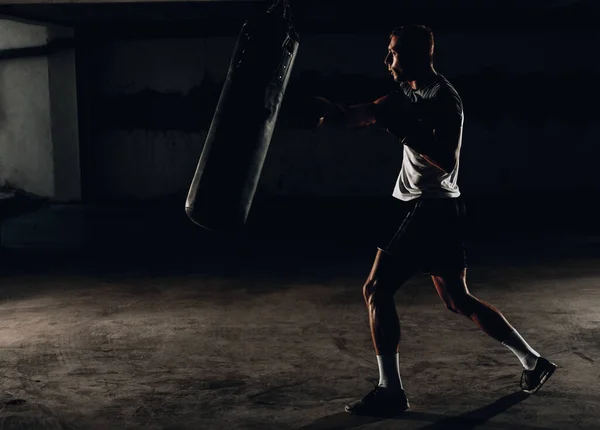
(463, 304)
(374, 290)
(370, 289)
(380, 279)
(450, 306)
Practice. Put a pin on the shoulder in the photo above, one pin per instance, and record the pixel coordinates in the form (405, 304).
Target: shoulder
(405, 88)
(446, 94)
(444, 88)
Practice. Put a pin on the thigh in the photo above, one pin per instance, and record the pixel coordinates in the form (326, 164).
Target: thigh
(442, 230)
(402, 238)
(452, 283)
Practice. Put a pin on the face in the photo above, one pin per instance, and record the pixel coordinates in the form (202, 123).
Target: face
(398, 64)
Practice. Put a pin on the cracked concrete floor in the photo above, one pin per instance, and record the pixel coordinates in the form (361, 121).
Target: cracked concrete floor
(178, 346)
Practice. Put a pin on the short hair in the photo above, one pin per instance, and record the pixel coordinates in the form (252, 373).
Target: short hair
(417, 38)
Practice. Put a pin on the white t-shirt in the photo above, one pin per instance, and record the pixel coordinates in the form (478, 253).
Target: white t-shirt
(419, 178)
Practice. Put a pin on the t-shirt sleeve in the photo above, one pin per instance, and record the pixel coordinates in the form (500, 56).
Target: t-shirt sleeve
(447, 118)
(437, 131)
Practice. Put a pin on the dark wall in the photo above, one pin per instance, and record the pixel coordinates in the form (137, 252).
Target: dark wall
(529, 98)
(147, 90)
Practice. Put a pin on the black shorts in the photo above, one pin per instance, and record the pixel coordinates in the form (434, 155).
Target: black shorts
(430, 238)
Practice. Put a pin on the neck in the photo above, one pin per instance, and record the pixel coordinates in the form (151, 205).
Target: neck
(423, 77)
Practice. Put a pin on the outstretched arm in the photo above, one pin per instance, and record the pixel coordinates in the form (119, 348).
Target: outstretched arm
(434, 133)
(359, 115)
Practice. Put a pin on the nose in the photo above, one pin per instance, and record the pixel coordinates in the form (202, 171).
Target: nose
(387, 61)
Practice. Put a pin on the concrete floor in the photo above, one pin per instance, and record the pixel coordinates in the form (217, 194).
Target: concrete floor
(275, 339)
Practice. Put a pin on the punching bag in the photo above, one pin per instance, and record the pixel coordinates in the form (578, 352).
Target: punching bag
(238, 139)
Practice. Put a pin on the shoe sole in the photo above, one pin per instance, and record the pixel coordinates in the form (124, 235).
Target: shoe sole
(387, 414)
(542, 381)
(379, 415)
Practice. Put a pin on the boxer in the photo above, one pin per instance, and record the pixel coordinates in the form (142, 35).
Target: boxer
(426, 114)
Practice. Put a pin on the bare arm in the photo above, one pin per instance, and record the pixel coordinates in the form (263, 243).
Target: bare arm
(434, 130)
(437, 148)
(359, 115)
(437, 135)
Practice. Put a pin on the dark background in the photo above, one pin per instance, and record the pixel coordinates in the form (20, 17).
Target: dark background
(527, 72)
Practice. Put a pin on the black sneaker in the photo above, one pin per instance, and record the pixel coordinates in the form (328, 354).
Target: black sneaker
(532, 380)
(380, 402)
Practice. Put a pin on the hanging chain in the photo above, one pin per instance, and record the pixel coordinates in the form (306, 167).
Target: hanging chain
(287, 10)
(273, 6)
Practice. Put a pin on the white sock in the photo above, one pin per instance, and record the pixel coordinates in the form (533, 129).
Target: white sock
(526, 354)
(389, 371)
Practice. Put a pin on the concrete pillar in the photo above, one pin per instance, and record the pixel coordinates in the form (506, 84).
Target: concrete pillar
(63, 115)
(39, 144)
(26, 157)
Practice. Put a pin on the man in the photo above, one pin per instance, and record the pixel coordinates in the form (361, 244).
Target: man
(426, 114)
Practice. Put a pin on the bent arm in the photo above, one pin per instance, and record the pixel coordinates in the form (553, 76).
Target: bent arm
(437, 134)
(437, 145)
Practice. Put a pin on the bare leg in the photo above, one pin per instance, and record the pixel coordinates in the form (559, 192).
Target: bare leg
(453, 291)
(384, 280)
(378, 292)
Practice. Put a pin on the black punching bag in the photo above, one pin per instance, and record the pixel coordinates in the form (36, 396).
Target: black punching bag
(236, 146)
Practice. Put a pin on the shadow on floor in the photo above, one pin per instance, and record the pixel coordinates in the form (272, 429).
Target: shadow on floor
(466, 421)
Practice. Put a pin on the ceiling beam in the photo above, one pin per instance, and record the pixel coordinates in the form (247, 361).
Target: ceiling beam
(219, 18)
